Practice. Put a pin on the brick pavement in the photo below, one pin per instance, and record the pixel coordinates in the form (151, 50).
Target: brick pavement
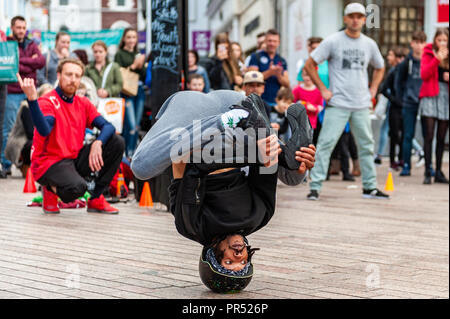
(340, 247)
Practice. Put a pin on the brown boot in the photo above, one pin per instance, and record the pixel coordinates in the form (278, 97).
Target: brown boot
(24, 169)
(356, 168)
(335, 168)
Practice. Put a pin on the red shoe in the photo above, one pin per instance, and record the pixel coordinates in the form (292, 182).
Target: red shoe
(100, 205)
(49, 202)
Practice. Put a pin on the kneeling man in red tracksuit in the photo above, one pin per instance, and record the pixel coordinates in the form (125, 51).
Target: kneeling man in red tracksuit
(59, 160)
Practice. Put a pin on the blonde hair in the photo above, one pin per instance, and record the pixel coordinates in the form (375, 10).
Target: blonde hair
(70, 60)
(101, 44)
(43, 88)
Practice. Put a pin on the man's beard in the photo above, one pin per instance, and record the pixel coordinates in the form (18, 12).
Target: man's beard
(19, 39)
(69, 90)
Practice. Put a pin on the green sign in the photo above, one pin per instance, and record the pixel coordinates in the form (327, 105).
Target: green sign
(84, 40)
(9, 62)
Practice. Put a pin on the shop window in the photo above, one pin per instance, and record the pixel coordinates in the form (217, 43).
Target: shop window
(398, 20)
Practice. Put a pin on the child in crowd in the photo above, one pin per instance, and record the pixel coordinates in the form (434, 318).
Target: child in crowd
(278, 118)
(408, 84)
(82, 90)
(309, 95)
(196, 82)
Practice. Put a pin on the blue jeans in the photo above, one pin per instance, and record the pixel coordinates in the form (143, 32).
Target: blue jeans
(134, 108)
(12, 107)
(409, 114)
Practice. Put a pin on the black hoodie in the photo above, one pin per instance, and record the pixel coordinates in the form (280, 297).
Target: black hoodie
(216, 205)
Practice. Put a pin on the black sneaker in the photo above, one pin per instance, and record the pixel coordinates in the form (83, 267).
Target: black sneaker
(302, 136)
(374, 194)
(314, 195)
(258, 103)
(3, 174)
(348, 177)
(440, 178)
(258, 118)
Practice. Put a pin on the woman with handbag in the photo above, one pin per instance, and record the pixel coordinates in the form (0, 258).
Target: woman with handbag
(129, 58)
(105, 75)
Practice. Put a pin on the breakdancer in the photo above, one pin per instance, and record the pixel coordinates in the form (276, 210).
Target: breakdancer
(226, 162)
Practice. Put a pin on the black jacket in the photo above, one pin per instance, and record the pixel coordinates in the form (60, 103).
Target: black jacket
(216, 205)
(388, 88)
(217, 76)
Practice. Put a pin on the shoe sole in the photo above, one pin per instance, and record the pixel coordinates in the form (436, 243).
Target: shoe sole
(313, 198)
(301, 135)
(51, 213)
(96, 211)
(260, 108)
(375, 197)
(297, 113)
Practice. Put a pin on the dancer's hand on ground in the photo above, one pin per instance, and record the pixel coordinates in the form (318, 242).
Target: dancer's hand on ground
(306, 157)
(95, 157)
(269, 149)
(28, 87)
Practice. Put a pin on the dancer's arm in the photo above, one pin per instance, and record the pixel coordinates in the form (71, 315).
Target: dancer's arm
(307, 157)
(178, 170)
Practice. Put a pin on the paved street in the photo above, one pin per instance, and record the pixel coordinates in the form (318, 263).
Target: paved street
(340, 247)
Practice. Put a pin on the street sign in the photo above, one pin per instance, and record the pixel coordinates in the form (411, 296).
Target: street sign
(443, 9)
(201, 40)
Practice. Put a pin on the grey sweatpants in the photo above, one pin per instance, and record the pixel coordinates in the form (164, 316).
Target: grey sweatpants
(185, 117)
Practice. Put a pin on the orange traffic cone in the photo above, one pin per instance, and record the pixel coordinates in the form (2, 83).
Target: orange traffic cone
(120, 183)
(389, 183)
(30, 186)
(146, 196)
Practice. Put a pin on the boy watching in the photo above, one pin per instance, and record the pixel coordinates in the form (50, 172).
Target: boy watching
(408, 83)
(278, 119)
(196, 82)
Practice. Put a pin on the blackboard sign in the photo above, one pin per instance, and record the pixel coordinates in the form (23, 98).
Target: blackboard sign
(169, 49)
(169, 53)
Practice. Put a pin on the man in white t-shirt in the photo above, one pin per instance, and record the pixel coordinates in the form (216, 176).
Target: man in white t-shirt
(349, 98)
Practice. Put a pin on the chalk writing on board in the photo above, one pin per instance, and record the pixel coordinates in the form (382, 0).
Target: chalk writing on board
(165, 41)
